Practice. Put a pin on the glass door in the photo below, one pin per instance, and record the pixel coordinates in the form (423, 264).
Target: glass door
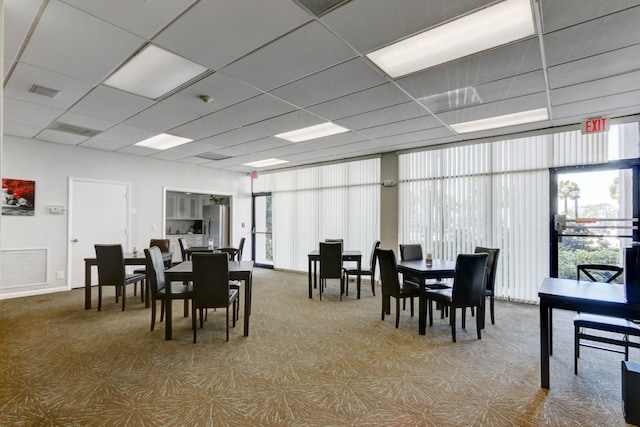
(262, 230)
(594, 211)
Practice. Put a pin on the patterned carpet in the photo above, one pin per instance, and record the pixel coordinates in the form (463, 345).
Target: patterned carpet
(305, 363)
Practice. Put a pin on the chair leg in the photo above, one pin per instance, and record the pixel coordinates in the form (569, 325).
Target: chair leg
(493, 320)
(464, 316)
(576, 348)
(124, 295)
(384, 308)
(193, 321)
(153, 314)
(99, 297)
(346, 287)
(452, 316)
(411, 306)
(227, 322)
(430, 312)
(398, 312)
(373, 286)
(161, 310)
(479, 322)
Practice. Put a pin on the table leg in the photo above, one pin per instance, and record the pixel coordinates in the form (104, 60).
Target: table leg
(359, 263)
(247, 303)
(315, 274)
(310, 292)
(544, 344)
(422, 308)
(87, 285)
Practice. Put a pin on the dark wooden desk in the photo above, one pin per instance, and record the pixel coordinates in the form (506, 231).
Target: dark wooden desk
(129, 259)
(588, 297)
(238, 270)
(439, 269)
(314, 258)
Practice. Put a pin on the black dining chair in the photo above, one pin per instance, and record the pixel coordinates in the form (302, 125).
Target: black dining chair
(616, 330)
(211, 287)
(492, 268)
(159, 287)
(182, 242)
(370, 271)
(111, 272)
(391, 286)
(468, 291)
(331, 265)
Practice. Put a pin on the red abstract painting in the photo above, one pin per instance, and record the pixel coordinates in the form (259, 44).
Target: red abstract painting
(18, 197)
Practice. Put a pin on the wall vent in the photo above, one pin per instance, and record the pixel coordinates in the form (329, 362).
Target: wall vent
(44, 91)
(76, 130)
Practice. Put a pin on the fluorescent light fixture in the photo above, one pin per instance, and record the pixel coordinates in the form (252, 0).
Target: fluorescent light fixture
(487, 28)
(452, 100)
(312, 132)
(163, 141)
(502, 121)
(267, 162)
(154, 72)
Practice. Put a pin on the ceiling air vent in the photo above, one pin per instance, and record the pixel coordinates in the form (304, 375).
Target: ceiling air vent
(319, 7)
(213, 156)
(44, 91)
(76, 130)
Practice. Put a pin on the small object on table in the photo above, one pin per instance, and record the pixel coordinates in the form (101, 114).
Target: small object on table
(429, 260)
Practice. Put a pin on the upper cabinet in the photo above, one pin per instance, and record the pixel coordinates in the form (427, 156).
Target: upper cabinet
(184, 206)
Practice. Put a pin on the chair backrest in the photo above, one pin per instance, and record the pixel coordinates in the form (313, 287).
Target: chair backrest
(163, 244)
(110, 262)
(411, 252)
(388, 272)
(155, 269)
(240, 248)
(334, 241)
(372, 259)
(469, 279)
(492, 264)
(330, 260)
(210, 280)
(183, 248)
(600, 272)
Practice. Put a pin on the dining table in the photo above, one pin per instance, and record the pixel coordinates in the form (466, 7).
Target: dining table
(130, 258)
(238, 270)
(583, 296)
(314, 258)
(437, 269)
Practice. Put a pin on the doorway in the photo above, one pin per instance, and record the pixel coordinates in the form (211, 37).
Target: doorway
(262, 237)
(98, 214)
(594, 211)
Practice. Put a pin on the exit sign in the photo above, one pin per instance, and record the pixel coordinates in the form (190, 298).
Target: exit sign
(595, 125)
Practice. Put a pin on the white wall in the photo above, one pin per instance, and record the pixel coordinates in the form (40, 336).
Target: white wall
(51, 165)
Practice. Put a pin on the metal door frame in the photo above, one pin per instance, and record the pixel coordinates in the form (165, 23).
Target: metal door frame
(253, 228)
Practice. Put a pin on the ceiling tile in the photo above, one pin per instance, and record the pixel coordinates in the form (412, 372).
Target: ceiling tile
(58, 137)
(29, 114)
(262, 145)
(342, 79)
(215, 36)
(405, 126)
(369, 24)
(18, 17)
(79, 45)
(185, 150)
(233, 138)
(25, 76)
(160, 118)
(595, 67)
(382, 116)
(588, 39)
(306, 51)
(225, 92)
(252, 110)
(375, 98)
(597, 106)
(561, 14)
(483, 111)
(201, 128)
(143, 18)
(285, 123)
(110, 104)
(596, 89)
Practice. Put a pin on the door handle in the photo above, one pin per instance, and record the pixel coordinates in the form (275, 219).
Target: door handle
(74, 241)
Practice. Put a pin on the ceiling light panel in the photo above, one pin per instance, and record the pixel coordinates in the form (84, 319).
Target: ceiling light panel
(163, 141)
(520, 118)
(154, 72)
(312, 132)
(264, 163)
(493, 26)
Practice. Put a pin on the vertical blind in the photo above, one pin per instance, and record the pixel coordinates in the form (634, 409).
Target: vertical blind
(339, 201)
(493, 194)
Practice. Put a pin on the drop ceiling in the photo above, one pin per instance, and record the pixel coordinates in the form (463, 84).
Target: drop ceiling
(276, 66)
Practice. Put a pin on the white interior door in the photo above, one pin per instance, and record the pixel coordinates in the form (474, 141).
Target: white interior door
(98, 214)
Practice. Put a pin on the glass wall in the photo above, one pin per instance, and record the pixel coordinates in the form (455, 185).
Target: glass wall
(496, 194)
(339, 201)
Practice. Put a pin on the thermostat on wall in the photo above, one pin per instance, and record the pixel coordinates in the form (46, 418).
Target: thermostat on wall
(56, 209)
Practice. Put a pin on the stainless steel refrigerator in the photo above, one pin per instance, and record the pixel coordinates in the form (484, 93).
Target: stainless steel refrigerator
(215, 225)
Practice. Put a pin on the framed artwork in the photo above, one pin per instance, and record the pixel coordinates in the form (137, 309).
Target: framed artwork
(18, 197)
